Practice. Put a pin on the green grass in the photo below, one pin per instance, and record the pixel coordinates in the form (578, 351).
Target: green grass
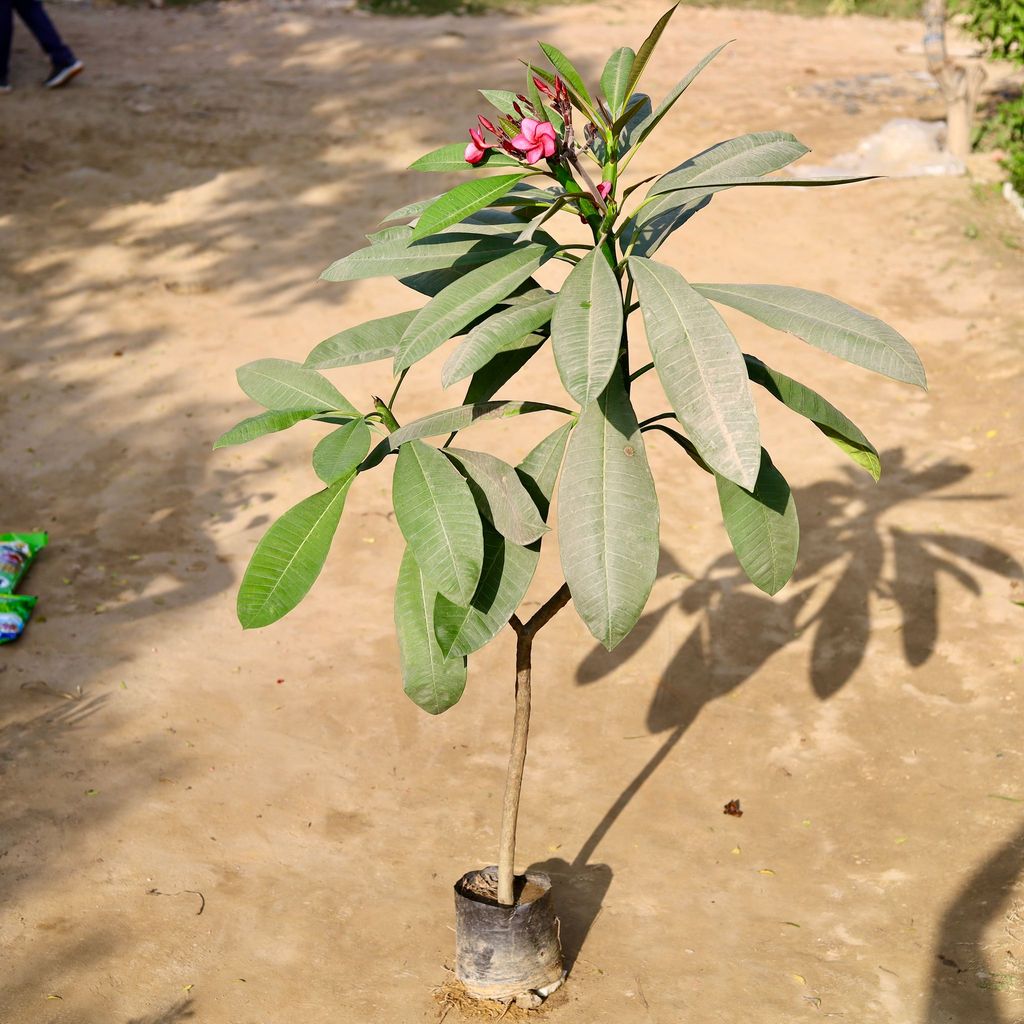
(811, 8)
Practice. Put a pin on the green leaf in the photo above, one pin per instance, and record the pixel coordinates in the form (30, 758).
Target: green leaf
(508, 568)
(457, 305)
(289, 558)
(452, 158)
(500, 495)
(461, 201)
(608, 517)
(508, 329)
(430, 681)
(450, 420)
(490, 379)
(626, 123)
(615, 78)
(748, 156)
(410, 209)
(643, 55)
(701, 369)
(649, 123)
(500, 99)
(341, 451)
(280, 384)
(825, 416)
(376, 339)
(507, 571)
(762, 526)
(438, 518)
(401, 232)
(827, 324)
(539, 470)
(586, 329)
(398, 258)
(264, 423)
(565, 68)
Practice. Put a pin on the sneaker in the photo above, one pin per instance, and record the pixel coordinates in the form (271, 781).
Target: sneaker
(5, 86)
(60, 76)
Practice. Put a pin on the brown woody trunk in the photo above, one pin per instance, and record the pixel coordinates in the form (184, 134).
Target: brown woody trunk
(960, 84)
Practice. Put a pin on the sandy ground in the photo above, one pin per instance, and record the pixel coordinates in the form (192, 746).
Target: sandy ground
(163, 221)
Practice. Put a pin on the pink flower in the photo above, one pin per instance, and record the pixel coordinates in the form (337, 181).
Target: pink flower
(536, 139)
(477, 148)
(604, 189)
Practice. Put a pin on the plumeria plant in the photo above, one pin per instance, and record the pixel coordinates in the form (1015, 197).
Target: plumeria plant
(473, 524)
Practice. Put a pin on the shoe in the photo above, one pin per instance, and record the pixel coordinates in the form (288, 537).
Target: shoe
(5, 86)
(60, 76)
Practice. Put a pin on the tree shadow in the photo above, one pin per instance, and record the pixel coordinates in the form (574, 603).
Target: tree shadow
(850, 557)
(971, 967)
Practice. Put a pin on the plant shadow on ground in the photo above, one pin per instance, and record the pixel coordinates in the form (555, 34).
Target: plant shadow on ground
(850, 557)
(965, 979)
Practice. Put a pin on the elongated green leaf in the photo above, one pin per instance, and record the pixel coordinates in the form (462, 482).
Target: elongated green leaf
(398, 258)
(500, 495)
(507, 571)
(289, 558)
(430, 681)
(615, 78)
(827, 324)
(565, 68)
(545, 214)
(438, 518)
(826, 417)
(280, 384)
(410, 209)
(490, 379)
(376, 339)
(586, 329)
(762, 526)
(701, 369)
(456, 306)
(341, 451)
(508, 568)
(656, 221)
(650, 122)
(643, 55)
(400, 232)
(508, 329)
(539, 470)
(626, 123)
(452, 158)
(500, 99)
(461, 201)
(608, 517)
(450, 420)
(259, 426)
(748, 156)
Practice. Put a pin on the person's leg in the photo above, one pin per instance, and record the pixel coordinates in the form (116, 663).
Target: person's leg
(38, 21)
(6, 31)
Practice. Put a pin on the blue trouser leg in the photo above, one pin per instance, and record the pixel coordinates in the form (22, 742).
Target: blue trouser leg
(38, 22)
(6, 28)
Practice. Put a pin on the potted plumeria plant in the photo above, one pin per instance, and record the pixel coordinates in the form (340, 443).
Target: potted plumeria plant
(473, 524)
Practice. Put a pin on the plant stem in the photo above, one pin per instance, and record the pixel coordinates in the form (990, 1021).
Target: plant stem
(520, 734)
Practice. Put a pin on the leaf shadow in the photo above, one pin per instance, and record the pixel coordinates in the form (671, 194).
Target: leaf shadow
(851, 558)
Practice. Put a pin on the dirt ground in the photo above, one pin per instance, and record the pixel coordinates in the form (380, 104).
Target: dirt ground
(164, 220)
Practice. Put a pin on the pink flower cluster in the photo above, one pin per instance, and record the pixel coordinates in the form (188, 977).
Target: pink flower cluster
(536, 141)
(527, 138)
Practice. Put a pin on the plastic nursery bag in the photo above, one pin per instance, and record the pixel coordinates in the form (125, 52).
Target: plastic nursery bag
(17, 552)
(15, 610)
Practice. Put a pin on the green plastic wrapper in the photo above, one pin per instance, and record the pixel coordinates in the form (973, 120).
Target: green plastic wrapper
(15, 610)
(17, 553)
